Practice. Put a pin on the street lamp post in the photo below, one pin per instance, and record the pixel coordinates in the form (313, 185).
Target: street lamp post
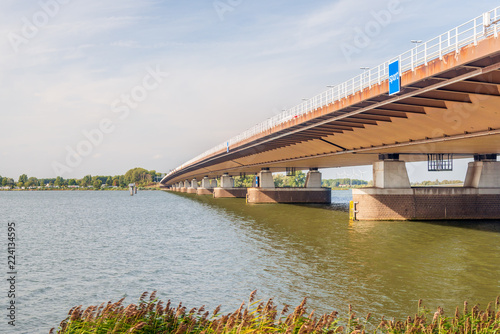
(364, 76)
(416, 42)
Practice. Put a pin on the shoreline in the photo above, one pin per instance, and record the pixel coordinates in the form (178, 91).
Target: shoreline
(114, 189)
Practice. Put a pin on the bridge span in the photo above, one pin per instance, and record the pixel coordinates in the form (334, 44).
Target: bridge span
(447, 103)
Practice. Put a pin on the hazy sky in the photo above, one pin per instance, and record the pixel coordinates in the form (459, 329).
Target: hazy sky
(154, 83)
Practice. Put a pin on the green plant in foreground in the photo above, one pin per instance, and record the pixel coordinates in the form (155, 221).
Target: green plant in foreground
(151, 316)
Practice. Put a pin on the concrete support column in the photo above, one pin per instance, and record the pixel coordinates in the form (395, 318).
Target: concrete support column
(206, 187)
(194, 184)
(213, 183)
(266, 179)
(205, 183)
(227, 189)
(390, 174)
(186, 184)
(484, 172)
(313, 178)
(226, 181)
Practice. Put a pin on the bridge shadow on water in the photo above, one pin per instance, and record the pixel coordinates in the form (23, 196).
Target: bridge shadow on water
(377, 266)
(311, 212)
(478, 225)
(274, 212)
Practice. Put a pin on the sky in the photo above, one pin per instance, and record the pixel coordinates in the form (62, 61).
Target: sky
(102, 86)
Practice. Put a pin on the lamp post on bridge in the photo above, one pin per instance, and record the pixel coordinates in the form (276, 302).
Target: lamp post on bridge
(307, 105)
(363, 76)
(416, 42)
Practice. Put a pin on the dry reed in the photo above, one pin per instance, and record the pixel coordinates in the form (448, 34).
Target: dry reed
(152, 316)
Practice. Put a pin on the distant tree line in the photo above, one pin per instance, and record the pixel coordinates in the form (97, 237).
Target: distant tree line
(298, 179)
(436, 183)
(140, 176)
(280, 180)
(345, 182)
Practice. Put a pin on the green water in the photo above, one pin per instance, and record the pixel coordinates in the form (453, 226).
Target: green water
(381, 267)
(85, 248)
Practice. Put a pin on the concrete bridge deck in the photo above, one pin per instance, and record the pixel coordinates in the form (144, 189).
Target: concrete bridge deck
(448, 103)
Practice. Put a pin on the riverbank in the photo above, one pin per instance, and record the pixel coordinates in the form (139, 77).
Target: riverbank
(151, 315)
(82, 189)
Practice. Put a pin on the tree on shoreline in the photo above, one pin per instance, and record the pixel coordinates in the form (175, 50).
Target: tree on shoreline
(97, 184)
(140, 176)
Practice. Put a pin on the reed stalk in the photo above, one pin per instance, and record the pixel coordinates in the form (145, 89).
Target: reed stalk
(151, 315)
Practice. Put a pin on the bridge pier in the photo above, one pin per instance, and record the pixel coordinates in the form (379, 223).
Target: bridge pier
(484, 172)
(227, 189)
(193, 187)
(184, 186)
(266, 179)
(206, 187)
(175, 187)
(266, 192)
(392, 197)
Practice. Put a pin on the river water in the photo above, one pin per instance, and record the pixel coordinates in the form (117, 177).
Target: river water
(77, 247)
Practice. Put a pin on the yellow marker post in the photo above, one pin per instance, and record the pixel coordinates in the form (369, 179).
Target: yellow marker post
(352, 210)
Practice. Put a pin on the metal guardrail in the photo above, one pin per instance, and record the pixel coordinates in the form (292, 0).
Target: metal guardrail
(451, 41)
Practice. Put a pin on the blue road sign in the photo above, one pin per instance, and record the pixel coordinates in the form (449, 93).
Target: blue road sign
(394, 78)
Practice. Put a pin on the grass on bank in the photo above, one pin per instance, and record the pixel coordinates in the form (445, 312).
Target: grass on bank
(153, 316)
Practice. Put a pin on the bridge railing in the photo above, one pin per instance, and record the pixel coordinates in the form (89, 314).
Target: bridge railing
(451, 41)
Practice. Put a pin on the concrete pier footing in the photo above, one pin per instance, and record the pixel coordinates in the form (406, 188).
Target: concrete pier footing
(227, 189)
(204, 191)
(230, 192)
(206, 187)
(392, 197)
(289, 195)
(193, 187)
(426, 203)
(267, 193)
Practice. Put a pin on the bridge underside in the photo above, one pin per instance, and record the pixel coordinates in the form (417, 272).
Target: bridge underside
(447, 106)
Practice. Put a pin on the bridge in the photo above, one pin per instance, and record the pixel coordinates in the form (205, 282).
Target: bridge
(436, 101)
